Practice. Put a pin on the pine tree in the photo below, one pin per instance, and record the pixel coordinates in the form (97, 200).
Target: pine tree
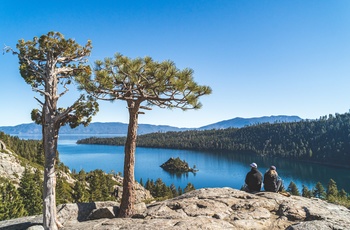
(149, 185)
(293, 189)
(189, 187)
(141, 182)
(173, 190)
(306, 192)
(158, 188)
(40, 158)
(142, 83)
(94, 190)
(332, 191)
(63, 191)
(11, 202)
(319, 191)
(30, 189)
(37, 198)
(79, 192)
(105, 193)
(343, 194)
(179, 191)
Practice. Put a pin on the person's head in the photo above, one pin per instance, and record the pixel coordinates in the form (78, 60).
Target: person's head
(272, 170)
(254, 165)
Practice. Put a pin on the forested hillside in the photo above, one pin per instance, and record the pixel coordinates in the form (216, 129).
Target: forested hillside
(28, 149)
(23, 197)
(326, 140)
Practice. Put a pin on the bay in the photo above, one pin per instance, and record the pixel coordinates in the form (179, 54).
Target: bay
(216, 169)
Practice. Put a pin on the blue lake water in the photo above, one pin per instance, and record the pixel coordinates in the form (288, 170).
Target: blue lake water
(216, 169)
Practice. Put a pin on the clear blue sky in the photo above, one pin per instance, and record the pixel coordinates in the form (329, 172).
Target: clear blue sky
(261, 57)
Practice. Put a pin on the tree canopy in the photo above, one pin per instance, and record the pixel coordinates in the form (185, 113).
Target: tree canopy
(142, 83)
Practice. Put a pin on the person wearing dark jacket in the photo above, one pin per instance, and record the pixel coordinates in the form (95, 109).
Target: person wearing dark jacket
(272, 182)
(253, 179)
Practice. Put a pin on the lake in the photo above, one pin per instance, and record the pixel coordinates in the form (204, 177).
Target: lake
(216, 169)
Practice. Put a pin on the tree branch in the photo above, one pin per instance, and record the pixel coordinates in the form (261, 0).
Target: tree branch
(64, 92)
(60, 117)
(40, 102)
(41, 92)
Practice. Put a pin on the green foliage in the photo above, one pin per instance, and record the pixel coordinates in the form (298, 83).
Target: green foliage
(174, 191)
(306, 192)
(30, 189)
(63, 191)
(40, 157)
(332, 191)
(176, 165)
(143, 79)
(319, 191)
(80, 192)
(11, 203)
(293, 189)
(331, 195)
(189, 187)
(52, 60)
(101, 185)
(160, 191)
(28, 149)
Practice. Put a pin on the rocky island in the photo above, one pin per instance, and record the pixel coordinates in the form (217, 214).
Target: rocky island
(176, 165)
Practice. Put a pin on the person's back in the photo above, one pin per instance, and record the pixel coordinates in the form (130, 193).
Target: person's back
(254, 179)
(272, 183)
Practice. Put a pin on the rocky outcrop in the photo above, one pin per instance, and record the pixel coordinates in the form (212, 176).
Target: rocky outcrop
(10, 167)
(212, 208)
(141, 194)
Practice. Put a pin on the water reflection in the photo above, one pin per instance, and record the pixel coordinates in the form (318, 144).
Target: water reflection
(179, 175)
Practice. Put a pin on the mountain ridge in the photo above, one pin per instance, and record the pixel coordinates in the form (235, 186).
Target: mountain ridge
(122, 128)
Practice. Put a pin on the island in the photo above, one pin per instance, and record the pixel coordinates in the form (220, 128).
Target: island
(176, 165)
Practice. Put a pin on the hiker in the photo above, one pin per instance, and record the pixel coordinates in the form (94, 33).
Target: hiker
(253, 180)
(272, 182)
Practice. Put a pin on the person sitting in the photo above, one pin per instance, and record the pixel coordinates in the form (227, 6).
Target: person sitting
(253, 179)
(272, 182)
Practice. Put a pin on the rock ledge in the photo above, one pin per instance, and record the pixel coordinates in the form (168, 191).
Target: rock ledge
(211, 208)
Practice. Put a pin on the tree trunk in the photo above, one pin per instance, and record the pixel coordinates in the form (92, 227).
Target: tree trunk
(49, 195)
(128, 197)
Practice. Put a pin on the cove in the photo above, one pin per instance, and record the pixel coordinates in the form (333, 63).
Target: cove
(216, 169)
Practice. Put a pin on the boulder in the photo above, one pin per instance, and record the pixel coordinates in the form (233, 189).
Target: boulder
(78, 212)
(10, 167)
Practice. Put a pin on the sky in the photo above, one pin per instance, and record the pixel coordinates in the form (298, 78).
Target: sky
(260, 57)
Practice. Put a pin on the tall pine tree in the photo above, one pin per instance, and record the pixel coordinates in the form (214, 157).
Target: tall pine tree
(293, 189)
(30, 189)
(319, 191)
(332, 191)
(11, 203)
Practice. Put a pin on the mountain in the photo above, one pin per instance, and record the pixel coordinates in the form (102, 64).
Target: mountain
(93, 128)
(239, 122)
(122, 128)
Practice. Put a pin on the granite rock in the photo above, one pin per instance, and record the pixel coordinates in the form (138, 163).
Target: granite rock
(212, 208)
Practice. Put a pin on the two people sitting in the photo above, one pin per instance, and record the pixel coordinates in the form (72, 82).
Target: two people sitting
(254, 180)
